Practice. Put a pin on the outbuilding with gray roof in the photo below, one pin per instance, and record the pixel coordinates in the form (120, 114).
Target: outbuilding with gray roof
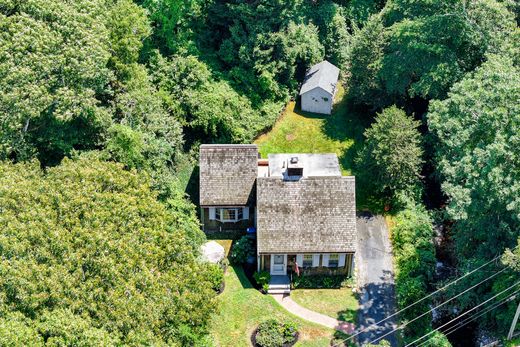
(319, 87)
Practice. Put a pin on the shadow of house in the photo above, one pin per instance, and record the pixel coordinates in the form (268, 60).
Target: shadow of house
(244, 281)
(192, 187)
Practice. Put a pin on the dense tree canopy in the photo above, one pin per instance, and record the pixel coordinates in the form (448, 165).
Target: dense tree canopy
(53, 76)
(420, 48)
(144, 82)
(89, 257)
(477, 130)
(392, 153)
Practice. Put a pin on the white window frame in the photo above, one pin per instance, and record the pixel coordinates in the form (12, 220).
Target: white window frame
(330, 258)
(309, 261)
(217, 213)
(222, 219)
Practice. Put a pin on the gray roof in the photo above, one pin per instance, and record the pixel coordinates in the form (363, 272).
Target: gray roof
(322, 164)
(313, 214)
(227, 174)
(323, 75)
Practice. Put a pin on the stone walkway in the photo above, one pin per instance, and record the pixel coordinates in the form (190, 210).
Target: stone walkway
(315, 317)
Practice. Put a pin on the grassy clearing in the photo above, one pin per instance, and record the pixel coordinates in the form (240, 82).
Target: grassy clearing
(301, 132)
(242, 308)
(341, 133)
(336, 303)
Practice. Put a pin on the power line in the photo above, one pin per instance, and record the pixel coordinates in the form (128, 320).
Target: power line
(416, 302)
(441, 304)
(473, 317)
(463, 314)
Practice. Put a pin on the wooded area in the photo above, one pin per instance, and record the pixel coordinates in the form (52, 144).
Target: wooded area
(103, 102)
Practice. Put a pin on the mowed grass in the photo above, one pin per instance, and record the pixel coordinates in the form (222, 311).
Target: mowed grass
(340, 304)
(301, 132)
(242, 308)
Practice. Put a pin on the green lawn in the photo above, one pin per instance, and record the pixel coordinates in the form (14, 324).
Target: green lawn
(242, 308)
(302, 132)
(336, 303)
(340, 133)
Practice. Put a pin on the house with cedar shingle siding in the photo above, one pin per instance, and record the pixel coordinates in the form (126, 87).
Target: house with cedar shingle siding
(303, 209)
(228, 186)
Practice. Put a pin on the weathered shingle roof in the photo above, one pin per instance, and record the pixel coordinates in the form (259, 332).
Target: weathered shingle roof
(227, 174)
(323, 75)
(314, 214)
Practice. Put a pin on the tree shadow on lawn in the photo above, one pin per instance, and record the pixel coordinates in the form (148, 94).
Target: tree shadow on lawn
(379, 305)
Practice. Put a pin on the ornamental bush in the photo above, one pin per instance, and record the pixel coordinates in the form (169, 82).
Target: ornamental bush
(216, 276)
(272, 333)
(242, 249)
(319, 281)
(262, 277)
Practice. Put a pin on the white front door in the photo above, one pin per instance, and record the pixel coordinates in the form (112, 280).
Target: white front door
(278, 264)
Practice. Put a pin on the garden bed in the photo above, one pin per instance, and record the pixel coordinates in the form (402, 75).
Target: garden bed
(274, 333)
(290, 344)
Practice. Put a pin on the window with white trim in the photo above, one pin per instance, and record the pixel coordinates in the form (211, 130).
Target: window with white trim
(229, 214)
(307, 260)
(333, 260)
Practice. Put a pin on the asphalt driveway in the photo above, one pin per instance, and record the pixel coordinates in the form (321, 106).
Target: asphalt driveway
(375, 276)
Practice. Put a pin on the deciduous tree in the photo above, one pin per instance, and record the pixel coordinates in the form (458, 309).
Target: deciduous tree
(90, 257)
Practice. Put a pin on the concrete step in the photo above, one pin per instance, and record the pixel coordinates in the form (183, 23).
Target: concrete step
(279, 286)
(279, 291)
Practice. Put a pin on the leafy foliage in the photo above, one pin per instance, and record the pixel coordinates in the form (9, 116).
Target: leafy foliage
(242, 249)
(320, 281)
(420, 48)
(49, 98)
(262, 277)
(272, 333)
(216, 276)
(392, 153)
(415, 261)
(477, 129)
(91, 258)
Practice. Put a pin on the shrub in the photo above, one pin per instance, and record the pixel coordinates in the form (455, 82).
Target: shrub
(319, 281)
(216, 276)
(272, 333)
(224, 263)
(262, 277)
(242, 249)
(414, 251)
